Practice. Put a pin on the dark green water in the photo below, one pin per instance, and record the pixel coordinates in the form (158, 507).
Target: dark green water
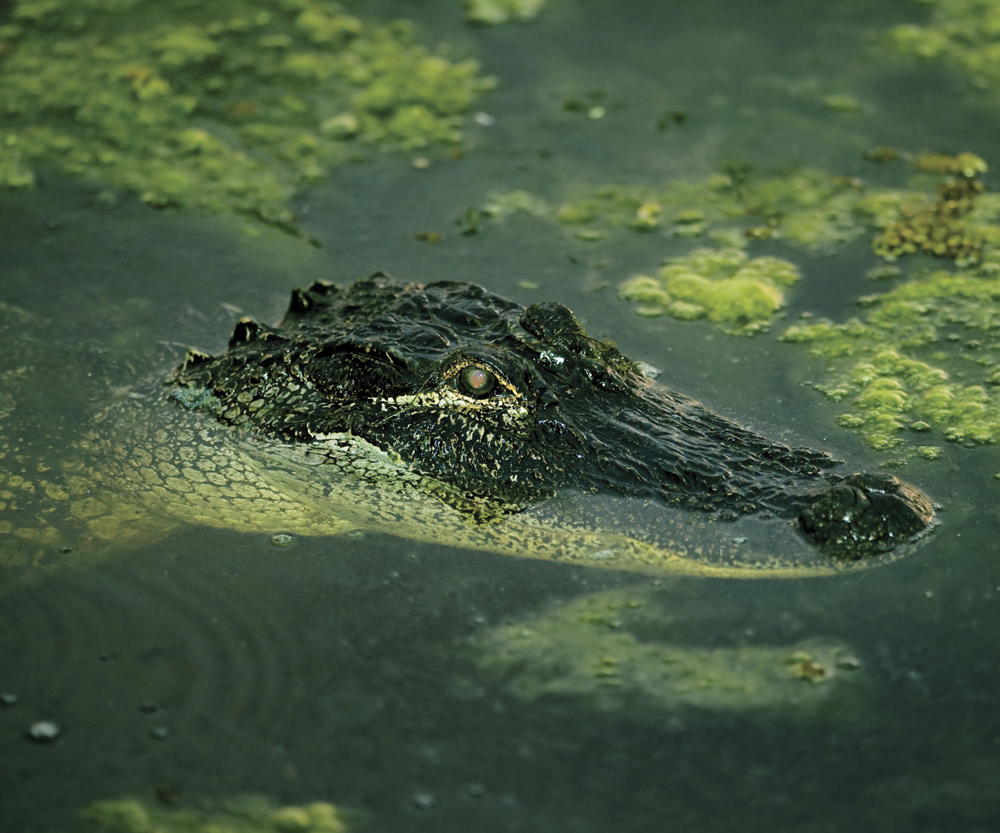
(340, 669)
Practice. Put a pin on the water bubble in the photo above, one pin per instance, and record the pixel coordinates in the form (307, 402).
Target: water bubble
(44, 731)
(8, 699)
(423, 801)
(159, 733)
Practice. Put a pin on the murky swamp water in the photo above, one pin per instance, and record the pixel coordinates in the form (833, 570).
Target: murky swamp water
(357, 670)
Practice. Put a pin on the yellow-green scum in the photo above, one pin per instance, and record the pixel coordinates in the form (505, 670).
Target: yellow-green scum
(223, 106)
(248, 814)
(603, 649)
(963, 33)
(722, 285)
(955, 225)
(923, 356)
(495, 12)
(808, 208)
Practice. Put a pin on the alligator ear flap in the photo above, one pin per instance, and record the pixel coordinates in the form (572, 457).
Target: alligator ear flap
(304, 301)
(193, 358)
(301, 301)
(323, 288)
(245, 331)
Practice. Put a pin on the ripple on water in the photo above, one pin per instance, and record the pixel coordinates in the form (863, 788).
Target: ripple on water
(133, 655)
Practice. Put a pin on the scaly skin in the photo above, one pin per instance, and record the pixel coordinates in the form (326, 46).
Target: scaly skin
(447, 414)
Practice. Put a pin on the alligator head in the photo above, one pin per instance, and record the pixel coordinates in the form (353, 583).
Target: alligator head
(505, 406)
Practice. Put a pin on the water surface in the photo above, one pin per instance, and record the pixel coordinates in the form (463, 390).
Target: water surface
(346, 669)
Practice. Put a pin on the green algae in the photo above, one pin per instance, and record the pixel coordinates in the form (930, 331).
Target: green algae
(957, 224)
(943, 211)
(962, 33)
(248, 814)
(601, 649)
(841, 103)
(723, 285)
(223, 106)
(923, 356)
(810, 209)
(495, 12)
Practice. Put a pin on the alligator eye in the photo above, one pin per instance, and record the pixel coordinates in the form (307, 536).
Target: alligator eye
(476, 381)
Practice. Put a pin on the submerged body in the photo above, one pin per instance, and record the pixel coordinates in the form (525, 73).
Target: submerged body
(446, 413)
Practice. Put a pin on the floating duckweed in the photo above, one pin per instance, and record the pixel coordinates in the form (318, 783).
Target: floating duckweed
(576, 214)
(593, 650)
(689, 217)
(884, 273)
(948, 227)
(647, 217)
(967, 165)
(15, 175)
(501, 205)
(841, 103)
(808, 208)
(881, 155)
(962, 33)
(251, 814)
(722, 285)
(495, 12)
(126, 816)
(896, 366)
(229, 107)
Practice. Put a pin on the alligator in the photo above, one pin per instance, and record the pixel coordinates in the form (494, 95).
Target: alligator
(445, 412)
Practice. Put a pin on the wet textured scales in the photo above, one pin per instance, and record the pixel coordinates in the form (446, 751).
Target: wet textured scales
(357, 412)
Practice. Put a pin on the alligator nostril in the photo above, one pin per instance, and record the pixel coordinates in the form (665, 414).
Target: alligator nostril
(875, 482)
(866, 514)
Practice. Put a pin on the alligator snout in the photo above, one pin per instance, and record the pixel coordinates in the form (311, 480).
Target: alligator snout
(866, 514)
